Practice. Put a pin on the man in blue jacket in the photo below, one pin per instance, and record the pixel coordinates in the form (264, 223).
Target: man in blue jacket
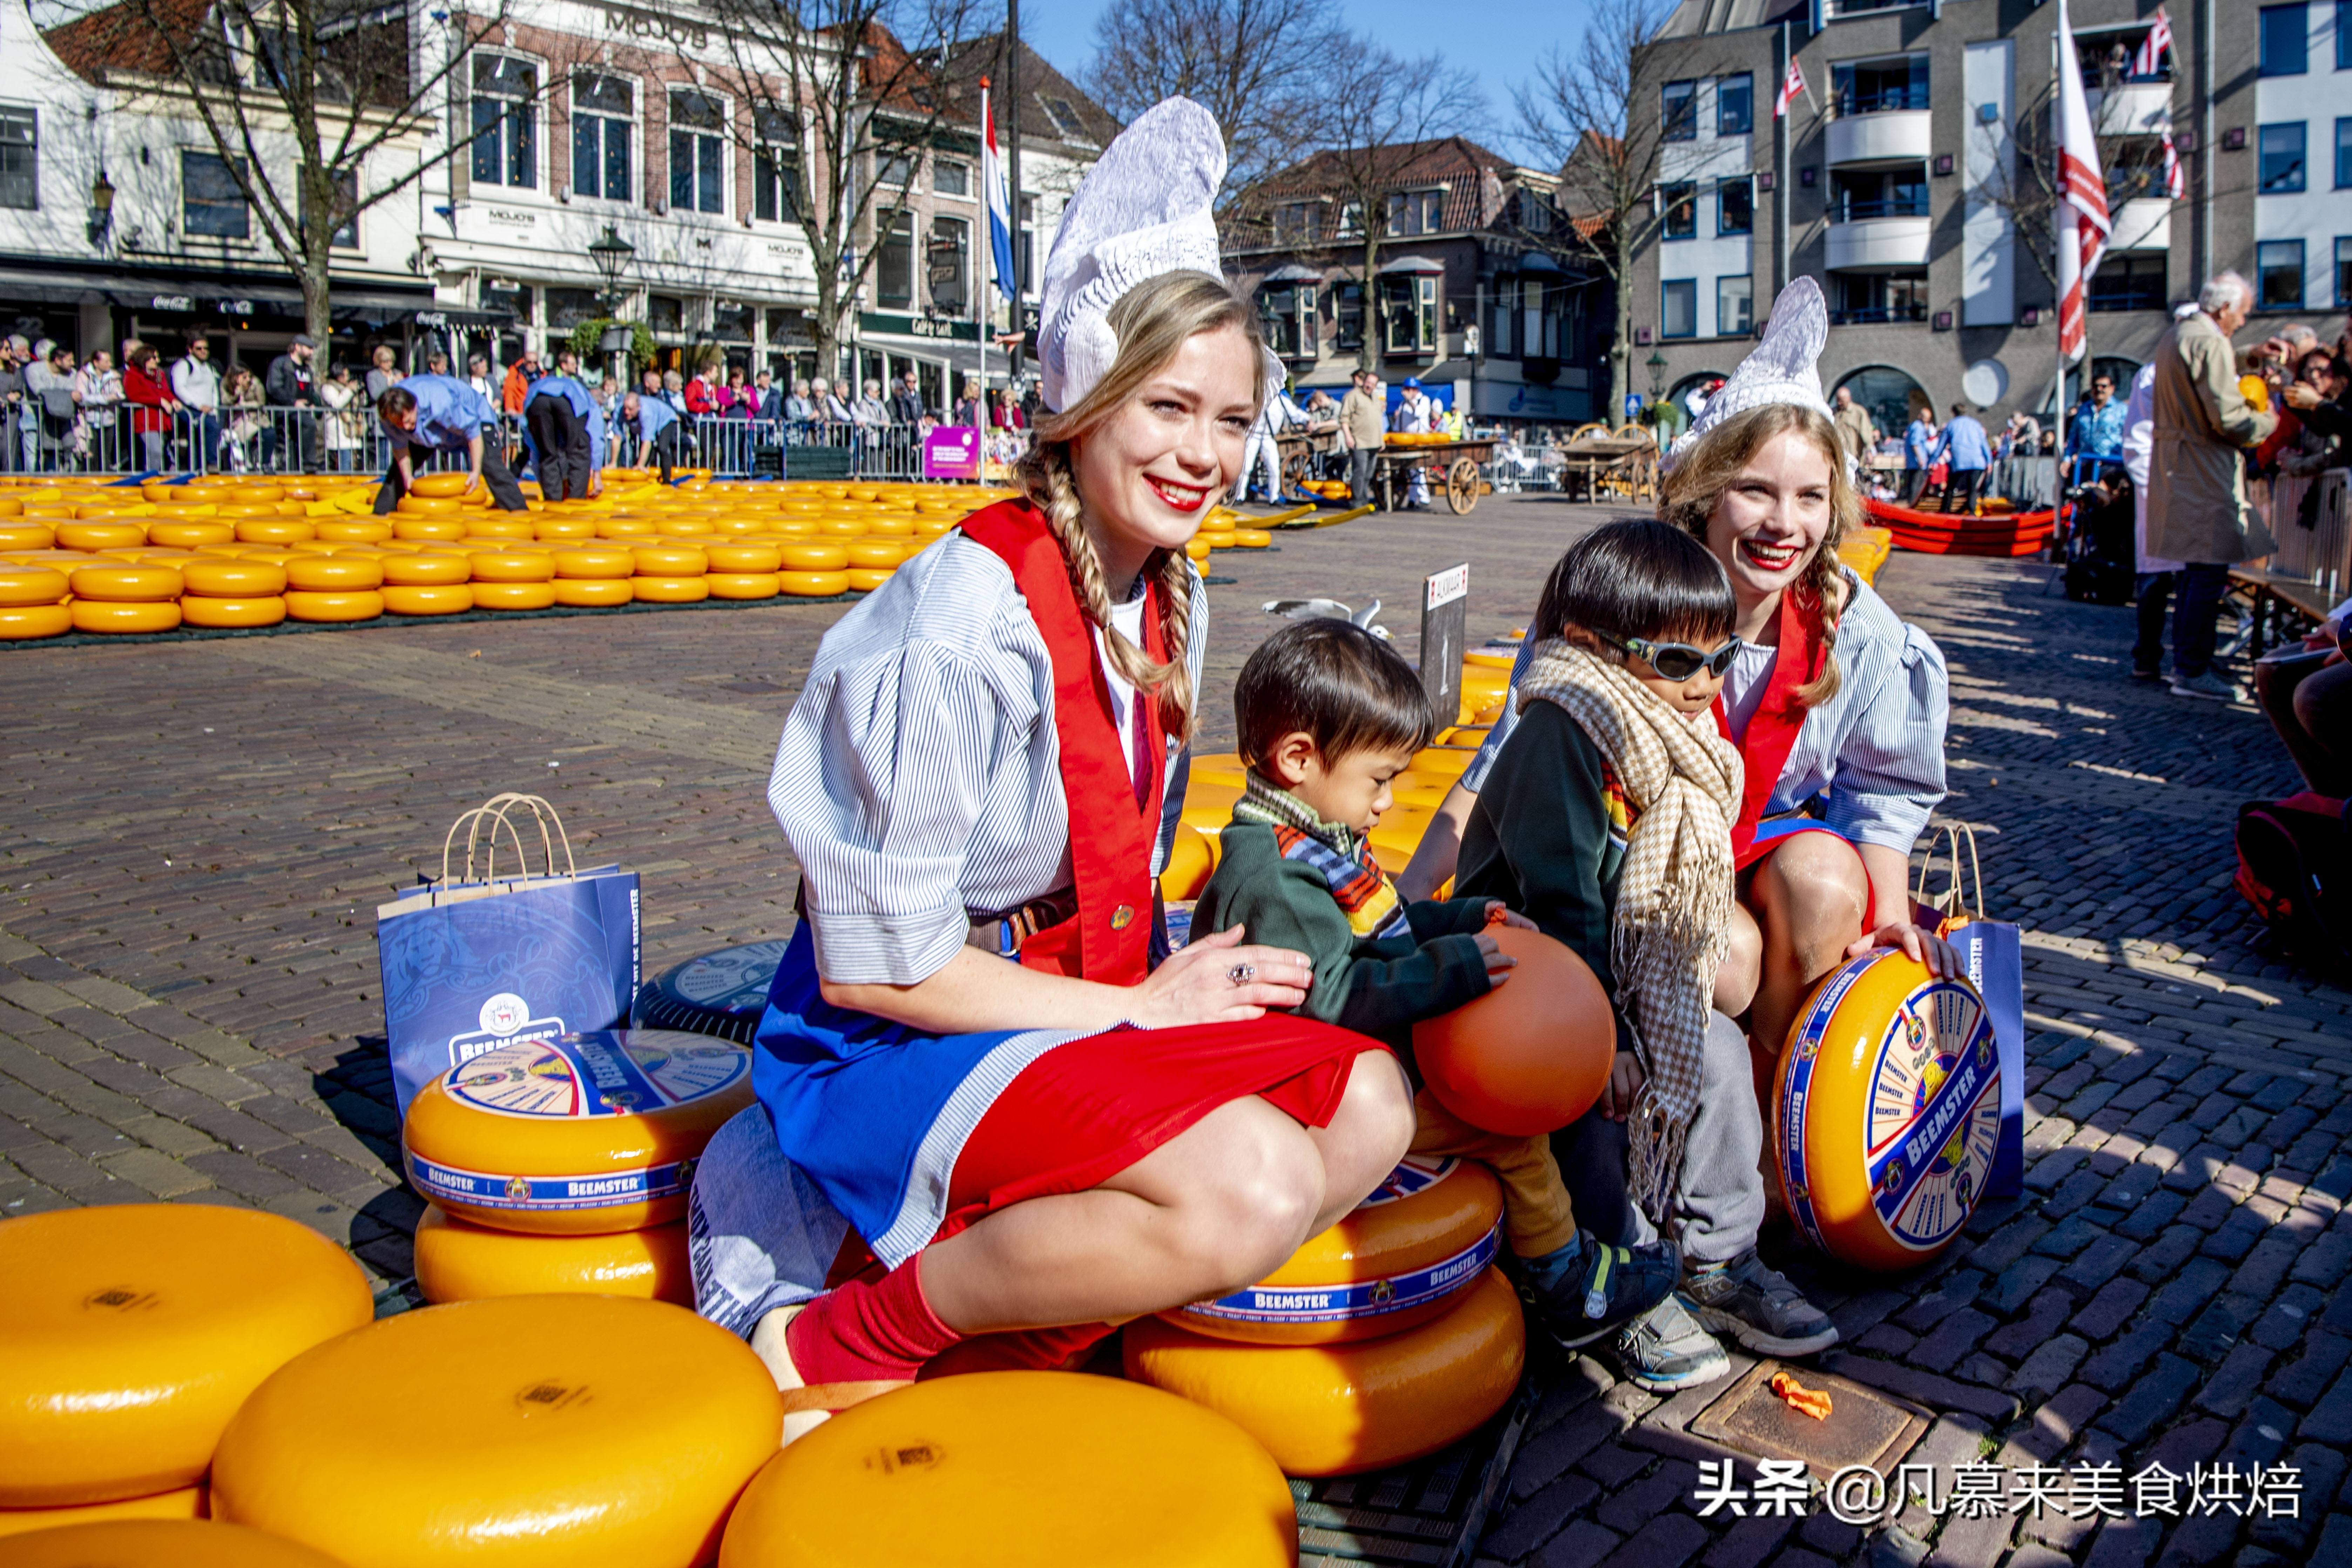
(440, 414)
(1963, 441)
(650, 425)
(565, 432)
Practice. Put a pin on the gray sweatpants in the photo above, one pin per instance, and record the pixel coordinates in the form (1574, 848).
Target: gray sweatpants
(1719, 1204)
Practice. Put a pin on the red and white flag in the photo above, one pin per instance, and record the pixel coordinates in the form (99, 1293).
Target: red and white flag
(1791, 85)
(2083, 221)
(2174, 185)
(2149, 62)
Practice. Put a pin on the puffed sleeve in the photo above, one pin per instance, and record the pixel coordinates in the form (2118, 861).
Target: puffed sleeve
(1890, 770)
(882, 773)
(1473, 777)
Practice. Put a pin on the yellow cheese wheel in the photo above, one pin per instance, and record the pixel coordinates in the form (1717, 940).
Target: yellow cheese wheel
(428, 599)
(745, 557)
(274, 530)
(623, 528)
(590, 1431)
(427, 569)
(796, 527)
(98, 617)
(424, 528)
(743, 585)
(159, 1541)
(670, 560)
(26, 536)
(333, 573)
(135, 1331)
(183, 1502)
(1197, 549)
(1397, 1261)
(842, 527)
(10, 506)
(669, 590)
(592, 593)
(814, 557)
(512, 566)
(886, 527)
(189, 535)
(1252, 539)
(1190, 857)
(217, 614)
(23, 622)
(460, 1262)
(691, 525)
(358, 606)
(92, 537)
(348, 531)
(439, 487)
(816, 584)
(556, 527)
(249, 492)
(442, 507)
(1329, 1410)
(1886, 1111)
(514, 595)
(882, 554)
(866, 579)
(1018, 1470)
(32, 585)
(501, 527)
(574, 1135)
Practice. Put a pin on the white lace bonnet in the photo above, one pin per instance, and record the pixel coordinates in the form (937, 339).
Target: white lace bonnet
(1783, 368)
(1148, 206)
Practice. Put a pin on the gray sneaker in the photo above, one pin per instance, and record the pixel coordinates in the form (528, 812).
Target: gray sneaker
(1665, 1350)
(2208, 688)
(1758, 1307)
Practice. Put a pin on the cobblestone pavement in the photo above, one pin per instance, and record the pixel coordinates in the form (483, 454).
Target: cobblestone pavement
(193, 837)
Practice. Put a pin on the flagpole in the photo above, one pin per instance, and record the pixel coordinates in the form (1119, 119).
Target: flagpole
(986, 301)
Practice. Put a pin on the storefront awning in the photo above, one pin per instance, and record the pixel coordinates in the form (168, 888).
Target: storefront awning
(1412, 264)
(1295, 272)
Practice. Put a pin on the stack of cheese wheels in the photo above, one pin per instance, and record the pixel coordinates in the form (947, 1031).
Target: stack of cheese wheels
(1039, 1469)
(33, 600)
(133, 1334)
(1886, 1111)
(562, 1165)
(1388, 1337)
(157, 1544)
(113, 596)
(229, 592)
(591, 1431)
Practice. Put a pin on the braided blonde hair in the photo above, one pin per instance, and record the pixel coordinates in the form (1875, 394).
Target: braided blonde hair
(1152, 321)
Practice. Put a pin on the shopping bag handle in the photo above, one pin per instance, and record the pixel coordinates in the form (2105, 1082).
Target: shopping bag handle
(1953, 903)
(490, 816)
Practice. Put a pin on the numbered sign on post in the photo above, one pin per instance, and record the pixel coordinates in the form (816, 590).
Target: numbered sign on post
(1445, 626)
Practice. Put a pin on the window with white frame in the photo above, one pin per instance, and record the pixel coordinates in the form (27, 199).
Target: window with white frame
(895, 170)
(949, 265)
(894, 262)
(1734, 305)
(1409, 313)
(506, 122)
(1296, 223)
(604, 112)
(776, 167)
(1348, 317)
(698, 152)
(1678, 308)
(211, 202)
(2278, 275)
(20, 143)
(1287, 311)
(950, 178)
(1417, 212)
(347, 204)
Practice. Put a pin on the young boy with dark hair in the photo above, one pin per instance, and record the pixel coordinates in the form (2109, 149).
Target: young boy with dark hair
(1329, 714)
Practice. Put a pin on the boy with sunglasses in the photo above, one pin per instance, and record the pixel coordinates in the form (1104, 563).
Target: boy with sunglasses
(1329, 714)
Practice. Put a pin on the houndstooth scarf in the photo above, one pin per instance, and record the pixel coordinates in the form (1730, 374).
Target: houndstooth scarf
(1673, 897)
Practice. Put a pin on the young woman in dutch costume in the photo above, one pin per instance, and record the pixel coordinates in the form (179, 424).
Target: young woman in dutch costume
(969, 1056)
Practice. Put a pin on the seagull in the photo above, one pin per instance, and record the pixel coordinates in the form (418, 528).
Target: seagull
(1332, 609)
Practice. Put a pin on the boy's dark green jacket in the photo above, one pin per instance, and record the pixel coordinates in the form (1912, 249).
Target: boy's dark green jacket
(1376, 987)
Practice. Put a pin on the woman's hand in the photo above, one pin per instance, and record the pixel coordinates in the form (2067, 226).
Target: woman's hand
(2302, 396)
(1499, 963)
(1922, 945)
(1215, 979)
(1624, 1087)
(1499, 913)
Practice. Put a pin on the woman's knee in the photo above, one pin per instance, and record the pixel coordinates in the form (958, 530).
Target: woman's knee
(1738, 977)
(1376, 1112)
(1817, 886)
(1251, 1199)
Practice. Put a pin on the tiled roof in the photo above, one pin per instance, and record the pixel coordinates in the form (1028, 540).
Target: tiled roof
(125, 37)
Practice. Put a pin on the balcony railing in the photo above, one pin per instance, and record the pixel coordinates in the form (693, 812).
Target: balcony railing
(1877, 101)
(1849, 209)
(1867, 315)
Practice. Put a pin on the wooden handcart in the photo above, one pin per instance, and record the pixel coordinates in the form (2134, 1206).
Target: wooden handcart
(1623, 465)
(1452, 466)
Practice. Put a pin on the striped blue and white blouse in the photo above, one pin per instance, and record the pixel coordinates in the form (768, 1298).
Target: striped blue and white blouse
(918, 780)
(1876, 749)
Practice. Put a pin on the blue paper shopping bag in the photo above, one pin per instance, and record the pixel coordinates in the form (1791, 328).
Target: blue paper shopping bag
(471, 962)
(1992, 956)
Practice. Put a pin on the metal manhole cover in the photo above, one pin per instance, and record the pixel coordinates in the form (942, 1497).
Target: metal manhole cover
(1865, 1427)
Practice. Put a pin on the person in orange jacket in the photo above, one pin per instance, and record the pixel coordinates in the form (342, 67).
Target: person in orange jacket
(516, 392)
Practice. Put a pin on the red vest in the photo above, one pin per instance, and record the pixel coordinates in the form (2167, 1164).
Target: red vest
(1112, 834)
(1772, 728)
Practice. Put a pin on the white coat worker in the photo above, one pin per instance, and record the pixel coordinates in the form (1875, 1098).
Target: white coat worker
(1264, 453)
(564, 430)
(1416, 414)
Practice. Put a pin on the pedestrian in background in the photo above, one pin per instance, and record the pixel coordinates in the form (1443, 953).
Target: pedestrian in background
(1363, 426)
(1918, 441)
(98, 385)
(52, 407)
(1964, 447)
(196, 384)
(241, 413)
(1415, 416)
(1857, 431)
(339, 396)
(383, 371)
(907, 402)
(14, 351)
(152, 404)
(2094, 437)
(477, 375)
(291, 388)
(517, 390)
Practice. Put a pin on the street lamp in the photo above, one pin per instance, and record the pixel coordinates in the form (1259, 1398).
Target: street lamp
(612, 254)
(101, 208)
(1657, 363)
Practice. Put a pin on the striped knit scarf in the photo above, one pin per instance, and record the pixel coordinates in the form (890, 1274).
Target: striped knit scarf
(1673, 897)
(1339, 855)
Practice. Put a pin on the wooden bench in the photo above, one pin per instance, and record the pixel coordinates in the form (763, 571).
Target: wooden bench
(2325, 557)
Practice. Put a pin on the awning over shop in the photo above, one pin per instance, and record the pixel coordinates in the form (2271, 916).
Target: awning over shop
(1295, 272)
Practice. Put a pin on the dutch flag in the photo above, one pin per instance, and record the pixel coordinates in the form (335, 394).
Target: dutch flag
(999, 206)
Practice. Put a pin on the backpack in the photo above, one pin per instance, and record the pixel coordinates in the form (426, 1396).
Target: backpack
(2294, 866)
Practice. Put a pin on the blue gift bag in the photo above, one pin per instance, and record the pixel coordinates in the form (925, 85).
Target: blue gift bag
(473, 963)
(1992, 956)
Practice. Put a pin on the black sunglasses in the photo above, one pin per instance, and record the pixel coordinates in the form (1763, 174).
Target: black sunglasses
(1675, 660)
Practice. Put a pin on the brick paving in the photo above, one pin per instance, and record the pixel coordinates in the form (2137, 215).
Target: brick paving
(193, 837)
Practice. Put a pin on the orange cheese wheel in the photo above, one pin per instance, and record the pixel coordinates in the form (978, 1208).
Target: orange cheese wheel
(26, 536)
(514, 595)
(815, 584)
(512, 566)
(743, 585)
(669, 590)
(1018, 1470)
(189, 535)
(669, 561)
(23, 622)
(348, 531)
(162, 1542)
(183, 1502)
(427, 569)
(358, 606)
(592, 593)
(333, 573)
(100, 618)
(33, 585)
(428, 599)
(574, 1135)
(866, 579)
(92, 537)
(745, 557)
(427, 528)
(1397, 1261)
(882, 554)
(217, 614)
(274, 530)
(1329, 1410)
(586, 1430)
(830, 557)
(439, 487)
(1886, 1111)
(135, 1331)
(460, 1262)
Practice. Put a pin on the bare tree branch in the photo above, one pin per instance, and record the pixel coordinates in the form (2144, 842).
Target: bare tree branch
(1257, 65)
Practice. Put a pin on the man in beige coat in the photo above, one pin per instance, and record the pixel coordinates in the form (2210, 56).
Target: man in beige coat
(1364, 426)
(2197, 513)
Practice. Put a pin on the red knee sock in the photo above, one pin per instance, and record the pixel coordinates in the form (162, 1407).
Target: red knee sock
(868, 1330)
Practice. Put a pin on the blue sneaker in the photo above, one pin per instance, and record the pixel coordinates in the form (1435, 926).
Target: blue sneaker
(1666, 1351)
(1590, 1289)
